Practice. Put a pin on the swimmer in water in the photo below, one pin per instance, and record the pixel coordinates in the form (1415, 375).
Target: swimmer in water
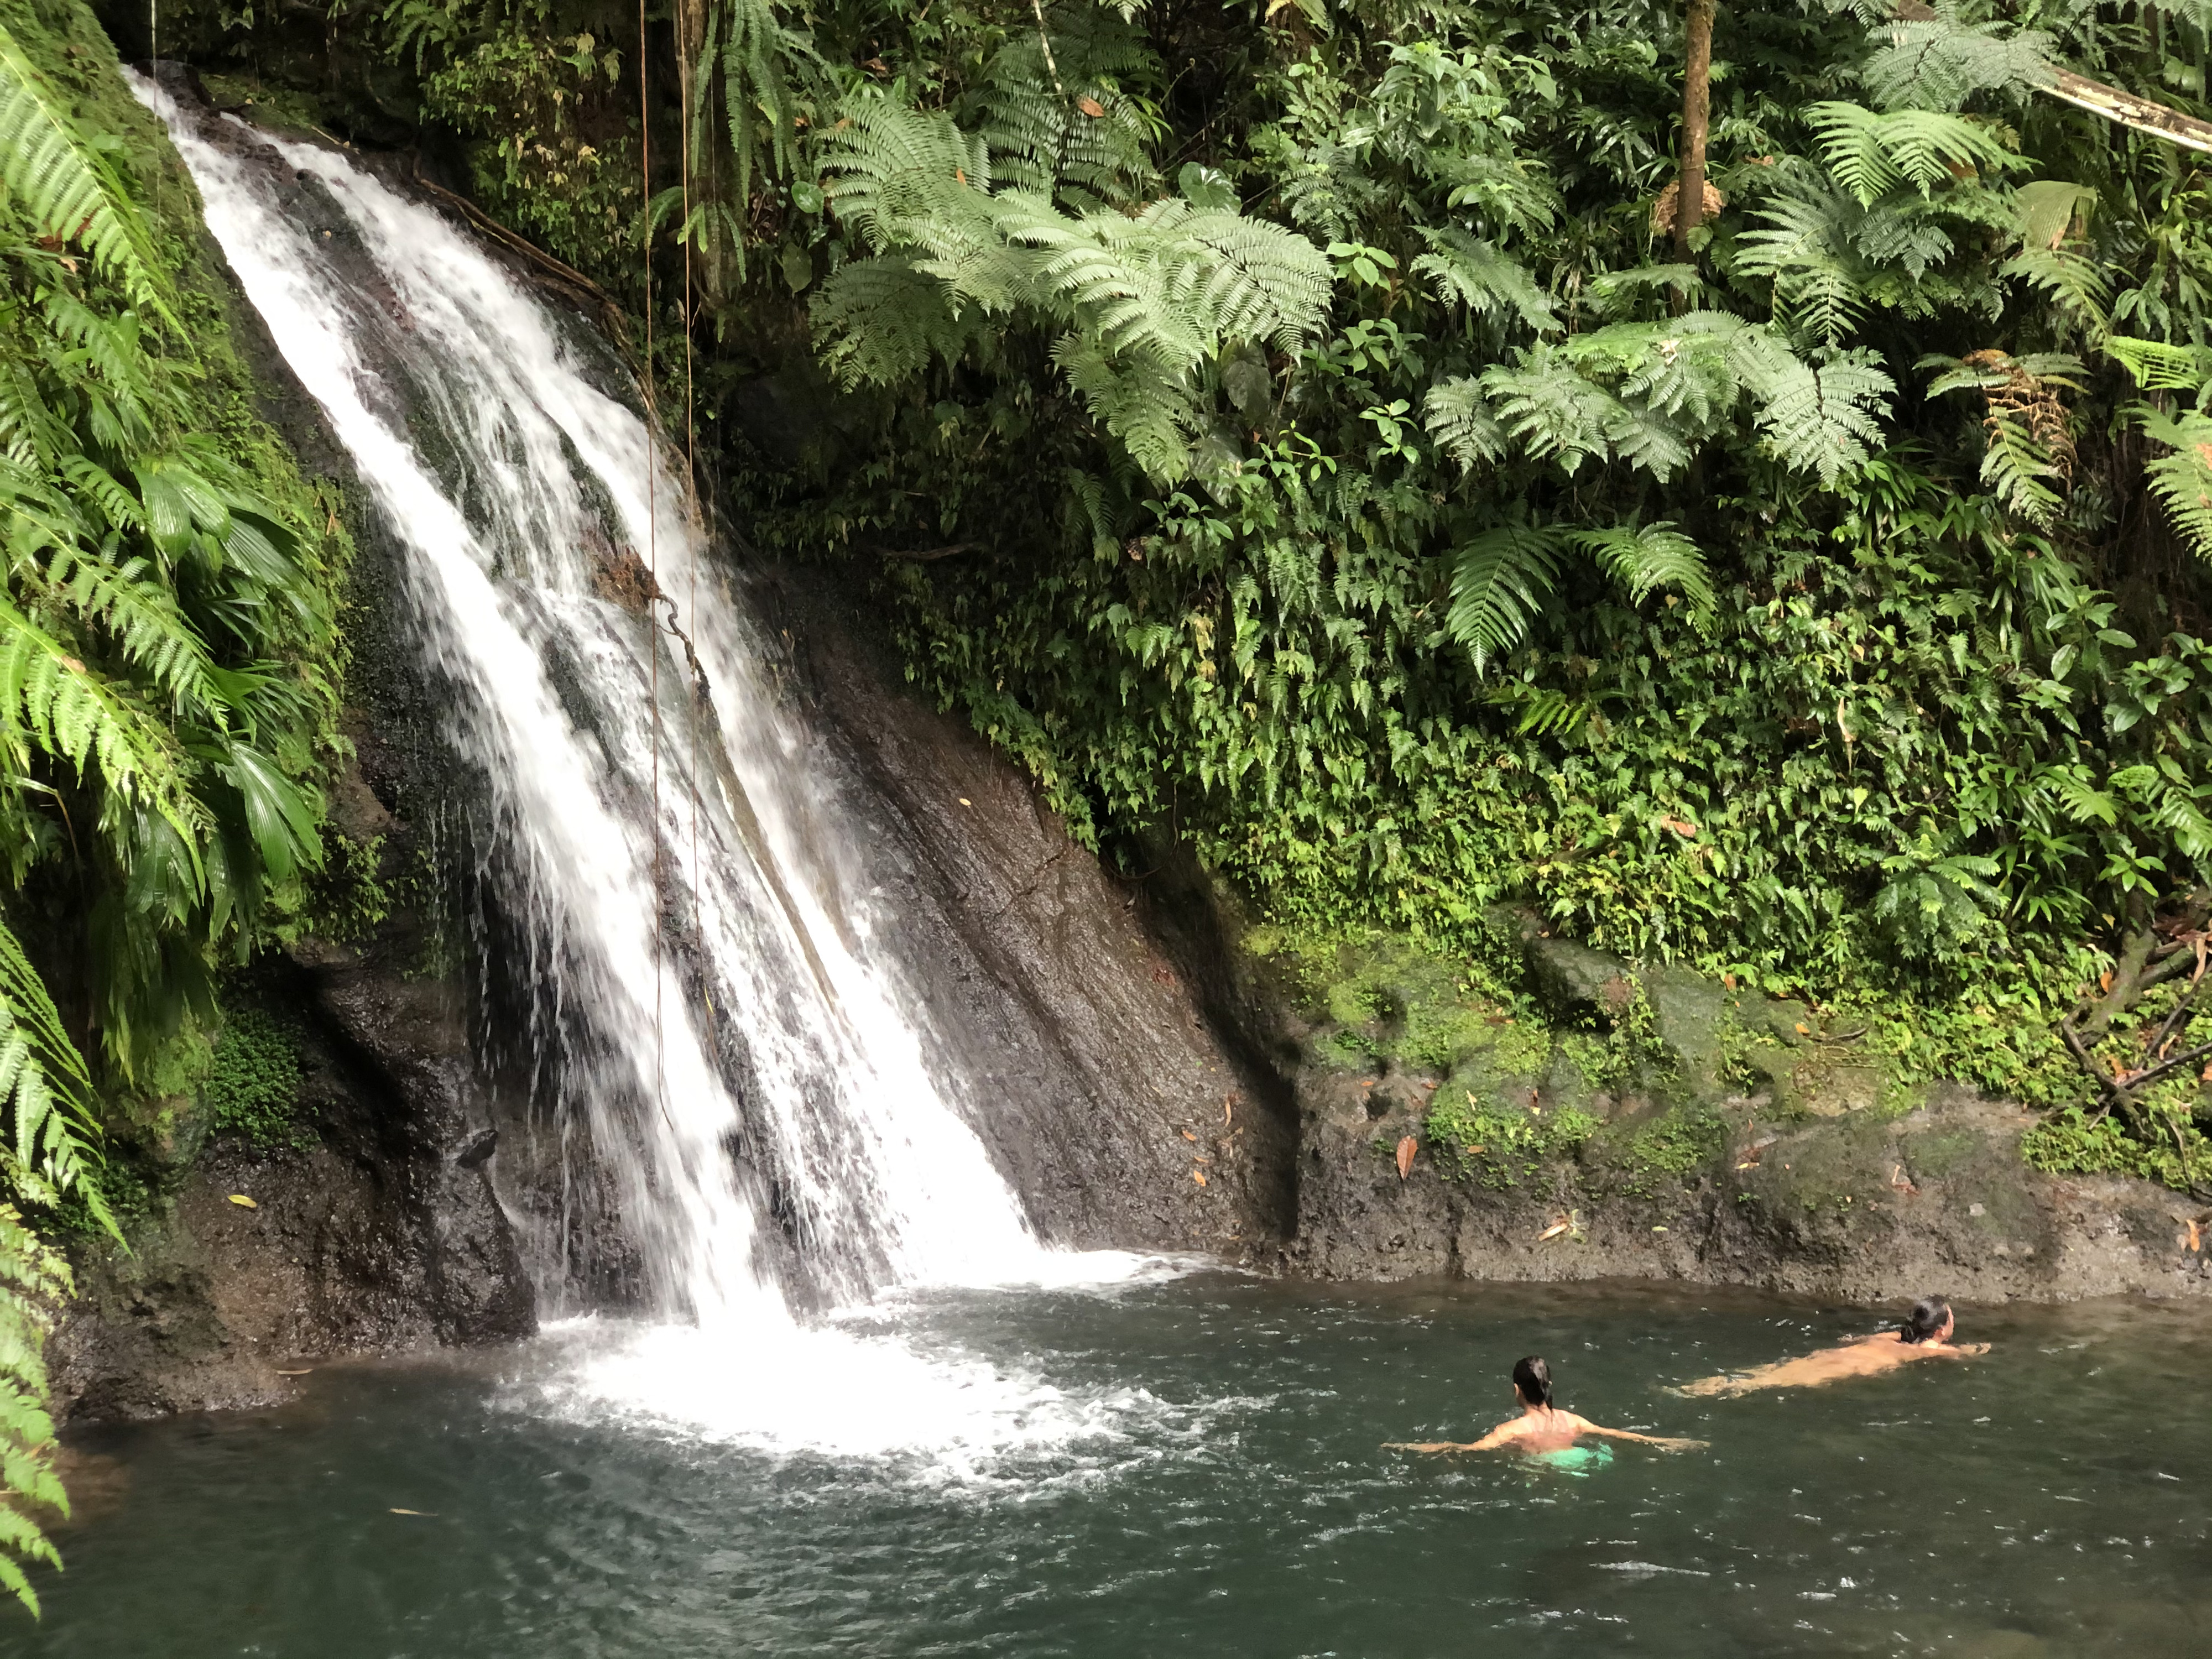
(1542, 1427)
(1925, 1334)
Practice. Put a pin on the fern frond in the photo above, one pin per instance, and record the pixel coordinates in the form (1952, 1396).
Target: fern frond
(2182, 478)
(67, 187)
(1458, 417)
(880, 321)
(1488, 283)
(2159, 366)
(1094, 138)
(1870, 153)
(1499, 581)
(1643, 558)
(1940, 61)
(1550, 410)
(1825, 420)
(50, 699)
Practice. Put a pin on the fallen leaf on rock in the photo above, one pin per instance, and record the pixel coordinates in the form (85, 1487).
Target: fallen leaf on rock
(2196, 1235)
(1901, 1181)
(1407, 1148)
(1186, 1135)
(243, 1202)
(964, 801)
(1198, 1175)
(308, 1372)
(1804, 1029)
(1658, 1229)
(1552, 1231)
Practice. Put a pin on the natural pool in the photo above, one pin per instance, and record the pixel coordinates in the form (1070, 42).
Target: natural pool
(1191, 1468)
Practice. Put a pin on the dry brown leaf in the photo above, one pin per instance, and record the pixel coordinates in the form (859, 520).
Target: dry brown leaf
(1682, 827)
(2196, 1235)
(1407, 1148)
(1804, 1029)
(1198, 1175)
(1091, 107)
(1552, 1231)
(1186, 1135)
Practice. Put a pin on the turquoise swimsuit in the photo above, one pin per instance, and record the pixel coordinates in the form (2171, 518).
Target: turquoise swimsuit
(1577, 1460)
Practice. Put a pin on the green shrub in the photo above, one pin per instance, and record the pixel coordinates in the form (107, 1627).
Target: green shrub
(253, 1092)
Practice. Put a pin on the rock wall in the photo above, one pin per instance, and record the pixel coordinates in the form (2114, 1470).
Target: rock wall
(1746, 1143)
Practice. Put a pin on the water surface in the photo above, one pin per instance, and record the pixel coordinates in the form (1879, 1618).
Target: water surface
(1185, 1468)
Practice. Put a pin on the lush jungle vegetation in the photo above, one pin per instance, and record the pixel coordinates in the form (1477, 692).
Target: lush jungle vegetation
(169, 671)
(1732, 480)
(1735, 480)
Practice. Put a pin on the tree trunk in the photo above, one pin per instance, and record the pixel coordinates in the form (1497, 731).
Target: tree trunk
(702, 170)
(1696, 116)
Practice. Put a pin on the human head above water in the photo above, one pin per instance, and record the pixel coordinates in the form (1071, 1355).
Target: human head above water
(1929, 1321)
(1532, 1380)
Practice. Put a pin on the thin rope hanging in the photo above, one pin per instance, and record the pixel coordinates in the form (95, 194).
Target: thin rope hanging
(652, 545)
(687, 72)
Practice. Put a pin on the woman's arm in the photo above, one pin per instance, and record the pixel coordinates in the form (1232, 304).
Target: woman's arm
(1660, 1440)
(1498, 1437)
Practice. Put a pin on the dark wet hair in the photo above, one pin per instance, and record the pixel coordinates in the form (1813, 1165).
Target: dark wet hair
(1926, 1319)
(1533, 1379)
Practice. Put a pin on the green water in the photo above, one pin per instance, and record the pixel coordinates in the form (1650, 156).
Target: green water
(1227, 1497)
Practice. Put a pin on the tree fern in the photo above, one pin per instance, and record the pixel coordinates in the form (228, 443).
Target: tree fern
(1825, 420)
(1870, 153)
(66, 186)
(1140, 301)
(1090, 135)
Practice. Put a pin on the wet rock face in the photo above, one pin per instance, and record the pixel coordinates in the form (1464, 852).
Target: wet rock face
(1744, 1144)
(381, 1236)
(1108, 1096)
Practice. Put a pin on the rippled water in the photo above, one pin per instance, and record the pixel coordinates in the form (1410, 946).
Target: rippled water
(1188, 1468)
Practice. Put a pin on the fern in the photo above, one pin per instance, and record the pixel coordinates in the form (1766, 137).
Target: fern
(2182, 478)
(33, 1278)
(1650, 557)
(1093, 142)
(1939, 63)
(1475, 274)
(1499, 581)
(1141, 302)
(1825, 420)
(1870, 155)
(770, 75)
(1459, 418)
(68, 188)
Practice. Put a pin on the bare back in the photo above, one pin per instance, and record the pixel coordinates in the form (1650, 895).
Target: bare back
(1866, 1356)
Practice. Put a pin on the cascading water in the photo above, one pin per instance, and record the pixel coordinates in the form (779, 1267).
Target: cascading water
(705, 1003)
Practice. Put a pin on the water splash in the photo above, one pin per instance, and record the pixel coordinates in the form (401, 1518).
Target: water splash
(705, 1014)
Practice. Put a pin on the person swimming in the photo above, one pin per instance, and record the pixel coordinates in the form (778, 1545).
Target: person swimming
(1925, 1334)
(1542, 1428)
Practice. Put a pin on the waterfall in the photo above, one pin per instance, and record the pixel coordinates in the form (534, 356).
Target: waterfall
(710, 1034)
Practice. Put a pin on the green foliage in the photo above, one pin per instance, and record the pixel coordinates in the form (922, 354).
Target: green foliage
(166, 627)
(1500, 1147)
(167, 664)
(254, 1090)
(33, 1278)
(2074, 1141)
